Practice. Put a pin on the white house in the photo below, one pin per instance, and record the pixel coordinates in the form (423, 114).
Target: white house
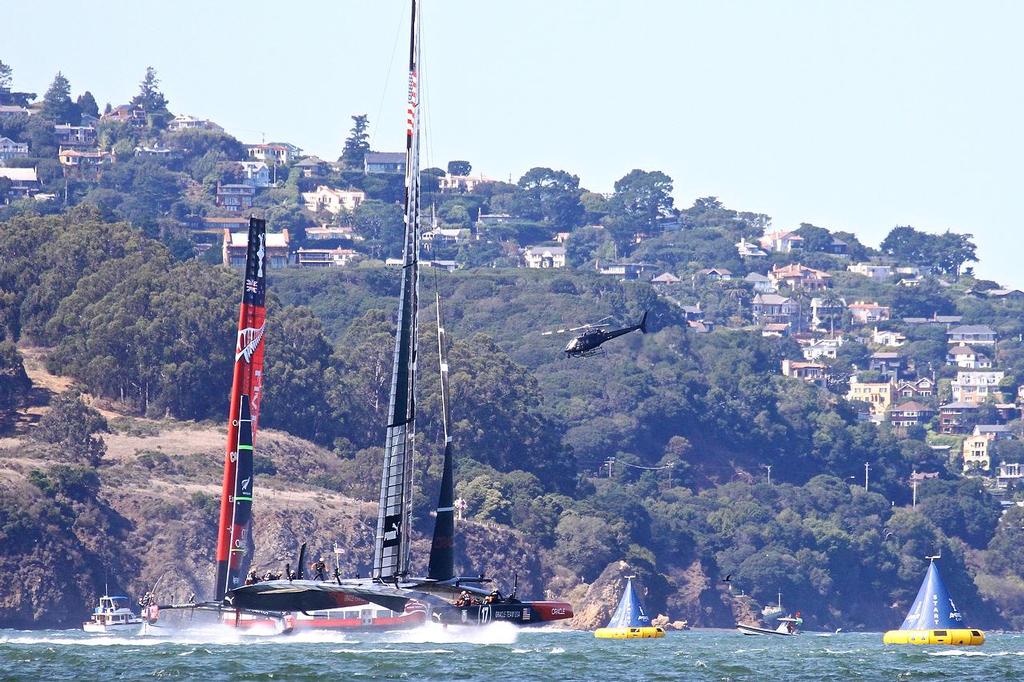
(976, 387)
(781, 241)
(9, 149)
(887, 338)
(332, 200)
(749, 250)
(965, 357)
(280, 153)
(873, 271)
(544, 256)
(821, 348)
(255, 174)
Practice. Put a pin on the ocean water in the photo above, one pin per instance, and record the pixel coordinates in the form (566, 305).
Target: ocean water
(498, 652)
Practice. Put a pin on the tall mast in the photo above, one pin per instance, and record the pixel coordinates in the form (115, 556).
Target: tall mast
(391, 550)
(234, 538)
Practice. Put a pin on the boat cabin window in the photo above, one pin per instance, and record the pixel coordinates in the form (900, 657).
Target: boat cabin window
(975, 633)
(940, 633)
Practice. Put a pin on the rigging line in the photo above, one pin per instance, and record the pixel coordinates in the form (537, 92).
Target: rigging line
(424, 91)
(387, 81)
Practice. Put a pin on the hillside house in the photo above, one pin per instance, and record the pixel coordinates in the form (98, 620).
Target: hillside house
(183, 122)
(887, 338)
(760, 283)
(863, 312)
(879, 273)
(384, 163)
(947, 320)
(313, 167)
(544, 257)
(815, 349)
(666, 278)
(775, 309)
(236, 244)
(749, 251)
(628, 272)
(255, 174)
(715, 274)
(776, 329)
(279, 153)
(24, 183)
(797, 276)
(781, 241)
(334, 232)
(977, 386)
(972, 335)
(958, 418)
(9, 149)
(65, 135)
(886, 363)
(83, 162)
(144, 152)
(214, 224)
(441, 236)
(879, 396)
(692, 313)
(9, 112)
(325, 258)
(235, 198)
(826, 313)
(461, 183)
(965, 357)
(332, 200)
(910, 413)
(1009, 473)
(977, 453)
(126, 113)
(918, 388)
(809, 372)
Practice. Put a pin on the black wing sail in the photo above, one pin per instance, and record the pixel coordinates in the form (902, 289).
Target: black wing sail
(442, 548)
(391, 550)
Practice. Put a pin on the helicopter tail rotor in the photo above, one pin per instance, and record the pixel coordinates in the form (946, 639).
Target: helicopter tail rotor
(643, 323)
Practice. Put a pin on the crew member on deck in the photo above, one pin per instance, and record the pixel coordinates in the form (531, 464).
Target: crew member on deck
(252, 578)
(463, 600)
(493, 598)
(320, 570)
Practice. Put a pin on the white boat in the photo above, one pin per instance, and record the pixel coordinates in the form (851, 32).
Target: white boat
(113, 615)
(787, 628)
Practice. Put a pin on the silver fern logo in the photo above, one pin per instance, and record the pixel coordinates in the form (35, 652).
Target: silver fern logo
(248, 341)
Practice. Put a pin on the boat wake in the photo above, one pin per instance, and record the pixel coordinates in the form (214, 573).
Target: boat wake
(434, 633)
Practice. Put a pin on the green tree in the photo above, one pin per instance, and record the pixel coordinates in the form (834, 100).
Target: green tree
(552, 196)
(584, 244)
(6, 76)
(816, 239)
(383, 226)
(71, 424)
(357, 143)
(152, 100)
(14, 382)
(57, 104)
(87, 104)
(459, 168)
(640, 199)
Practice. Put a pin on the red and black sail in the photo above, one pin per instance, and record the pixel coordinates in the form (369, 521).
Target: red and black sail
(234, 540)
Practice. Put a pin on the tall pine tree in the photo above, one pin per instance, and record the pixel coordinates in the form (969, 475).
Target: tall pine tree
(357, 144)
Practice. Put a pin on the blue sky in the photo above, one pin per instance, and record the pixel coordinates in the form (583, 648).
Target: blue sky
(851, 115)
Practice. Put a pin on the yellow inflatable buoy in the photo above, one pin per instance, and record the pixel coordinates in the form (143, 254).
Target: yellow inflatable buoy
(629, 633)
(957, 637)
(934, 618)
(629, 620)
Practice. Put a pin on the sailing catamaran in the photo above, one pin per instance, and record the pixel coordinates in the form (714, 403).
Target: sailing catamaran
(629, 621)
(933, 617)
(391, 583)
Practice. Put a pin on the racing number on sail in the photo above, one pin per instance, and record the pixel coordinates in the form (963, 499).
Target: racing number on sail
(391, 550)
(234, 536)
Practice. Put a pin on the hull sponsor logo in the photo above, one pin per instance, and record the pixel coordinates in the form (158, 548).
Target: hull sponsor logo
(260, 252)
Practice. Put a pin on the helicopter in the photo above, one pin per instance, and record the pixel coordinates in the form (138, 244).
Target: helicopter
(586, 344)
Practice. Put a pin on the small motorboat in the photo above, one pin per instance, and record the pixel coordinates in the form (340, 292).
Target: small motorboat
(629, 620)
(113, 615)
(787, 627)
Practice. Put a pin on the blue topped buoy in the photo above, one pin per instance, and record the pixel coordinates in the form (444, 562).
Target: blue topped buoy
(934, 617)
(629, 621)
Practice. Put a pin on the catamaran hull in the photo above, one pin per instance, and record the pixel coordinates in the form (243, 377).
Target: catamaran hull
(518, 613)
(754, 630)
(956, 637)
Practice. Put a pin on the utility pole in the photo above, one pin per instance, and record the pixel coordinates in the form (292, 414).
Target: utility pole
(769, 468)
(913, 486)
(866, 469)
(611, 463)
